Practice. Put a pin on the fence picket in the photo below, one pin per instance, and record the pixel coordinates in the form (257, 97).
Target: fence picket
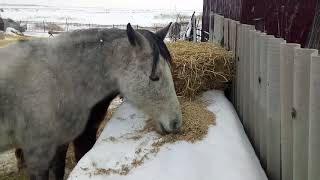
(245, 76)
(256, 92)
(242, 48)
(276, 94)
(314, 132)
(211, 29)
(232, 36)
(301, 93)
(238, 57)
(218, 29)
(243, 60)
(234, 46)
(251, 120)
(263, 98)
(286, 96)
(273, 109)
(226, 29)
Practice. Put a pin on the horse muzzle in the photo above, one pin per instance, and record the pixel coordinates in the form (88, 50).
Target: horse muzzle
(174, 127)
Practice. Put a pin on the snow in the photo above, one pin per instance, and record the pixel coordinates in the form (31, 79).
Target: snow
(224, 154)
(12, 32)
(38, 34)
(129, 4)
(91, 15)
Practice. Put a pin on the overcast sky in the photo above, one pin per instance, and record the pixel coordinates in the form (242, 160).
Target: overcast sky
(134, 4)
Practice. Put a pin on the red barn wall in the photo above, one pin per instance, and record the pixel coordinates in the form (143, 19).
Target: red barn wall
(289, 19)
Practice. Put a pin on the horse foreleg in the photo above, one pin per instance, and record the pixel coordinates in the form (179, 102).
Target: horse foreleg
(84, 142)
(42, 176)
(59, 162)
(20, 159)
(38, 161)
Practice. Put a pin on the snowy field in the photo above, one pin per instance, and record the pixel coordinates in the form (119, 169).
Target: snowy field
(225, 153)
(91, 15)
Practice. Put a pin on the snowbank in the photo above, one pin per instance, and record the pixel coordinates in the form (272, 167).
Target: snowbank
(13, 32)
(225, 154)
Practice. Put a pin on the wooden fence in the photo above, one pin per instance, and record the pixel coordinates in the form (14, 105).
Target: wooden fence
(276, 92)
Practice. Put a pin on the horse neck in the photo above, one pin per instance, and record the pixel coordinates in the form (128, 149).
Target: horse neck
(89, 72)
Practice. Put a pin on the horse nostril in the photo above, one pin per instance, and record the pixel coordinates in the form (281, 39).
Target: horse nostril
(174, 125)
(163, 130)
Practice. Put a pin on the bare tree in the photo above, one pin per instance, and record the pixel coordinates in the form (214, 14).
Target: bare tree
(314, 36)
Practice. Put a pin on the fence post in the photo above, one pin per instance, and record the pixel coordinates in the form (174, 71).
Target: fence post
(194, 29)
(44, 27)
(314, 138)
(286, 96)
(67, 26)
(263, 98)
(301, 86)
(273, 109)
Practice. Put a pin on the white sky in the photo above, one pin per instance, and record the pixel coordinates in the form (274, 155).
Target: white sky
(128, 4)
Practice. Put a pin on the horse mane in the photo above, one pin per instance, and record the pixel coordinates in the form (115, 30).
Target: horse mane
(92, 36)
(107, 35)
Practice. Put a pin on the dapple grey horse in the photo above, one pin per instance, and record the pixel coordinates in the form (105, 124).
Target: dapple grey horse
(51, 89)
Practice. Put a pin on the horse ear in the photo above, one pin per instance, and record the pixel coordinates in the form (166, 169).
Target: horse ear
(132, 37)
(162, 33)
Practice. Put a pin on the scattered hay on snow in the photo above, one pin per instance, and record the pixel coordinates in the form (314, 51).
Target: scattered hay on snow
(12, 39)
(196, 122)
(198, 67)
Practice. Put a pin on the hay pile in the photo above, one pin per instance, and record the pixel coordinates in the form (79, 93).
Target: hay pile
(196, 122)
(198, 67)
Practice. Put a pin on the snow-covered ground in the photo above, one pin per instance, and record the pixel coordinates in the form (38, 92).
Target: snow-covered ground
(91, 15)
(225, 154)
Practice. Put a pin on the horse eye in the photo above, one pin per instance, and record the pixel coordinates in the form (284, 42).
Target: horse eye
(154, 78)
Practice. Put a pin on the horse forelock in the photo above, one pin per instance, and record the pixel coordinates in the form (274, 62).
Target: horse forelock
(158, 48)
(157, 45)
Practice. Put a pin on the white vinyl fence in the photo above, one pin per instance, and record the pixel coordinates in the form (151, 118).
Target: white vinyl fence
(276, 92)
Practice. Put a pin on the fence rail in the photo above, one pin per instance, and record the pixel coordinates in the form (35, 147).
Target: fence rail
(276, 93)
(44, 26)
